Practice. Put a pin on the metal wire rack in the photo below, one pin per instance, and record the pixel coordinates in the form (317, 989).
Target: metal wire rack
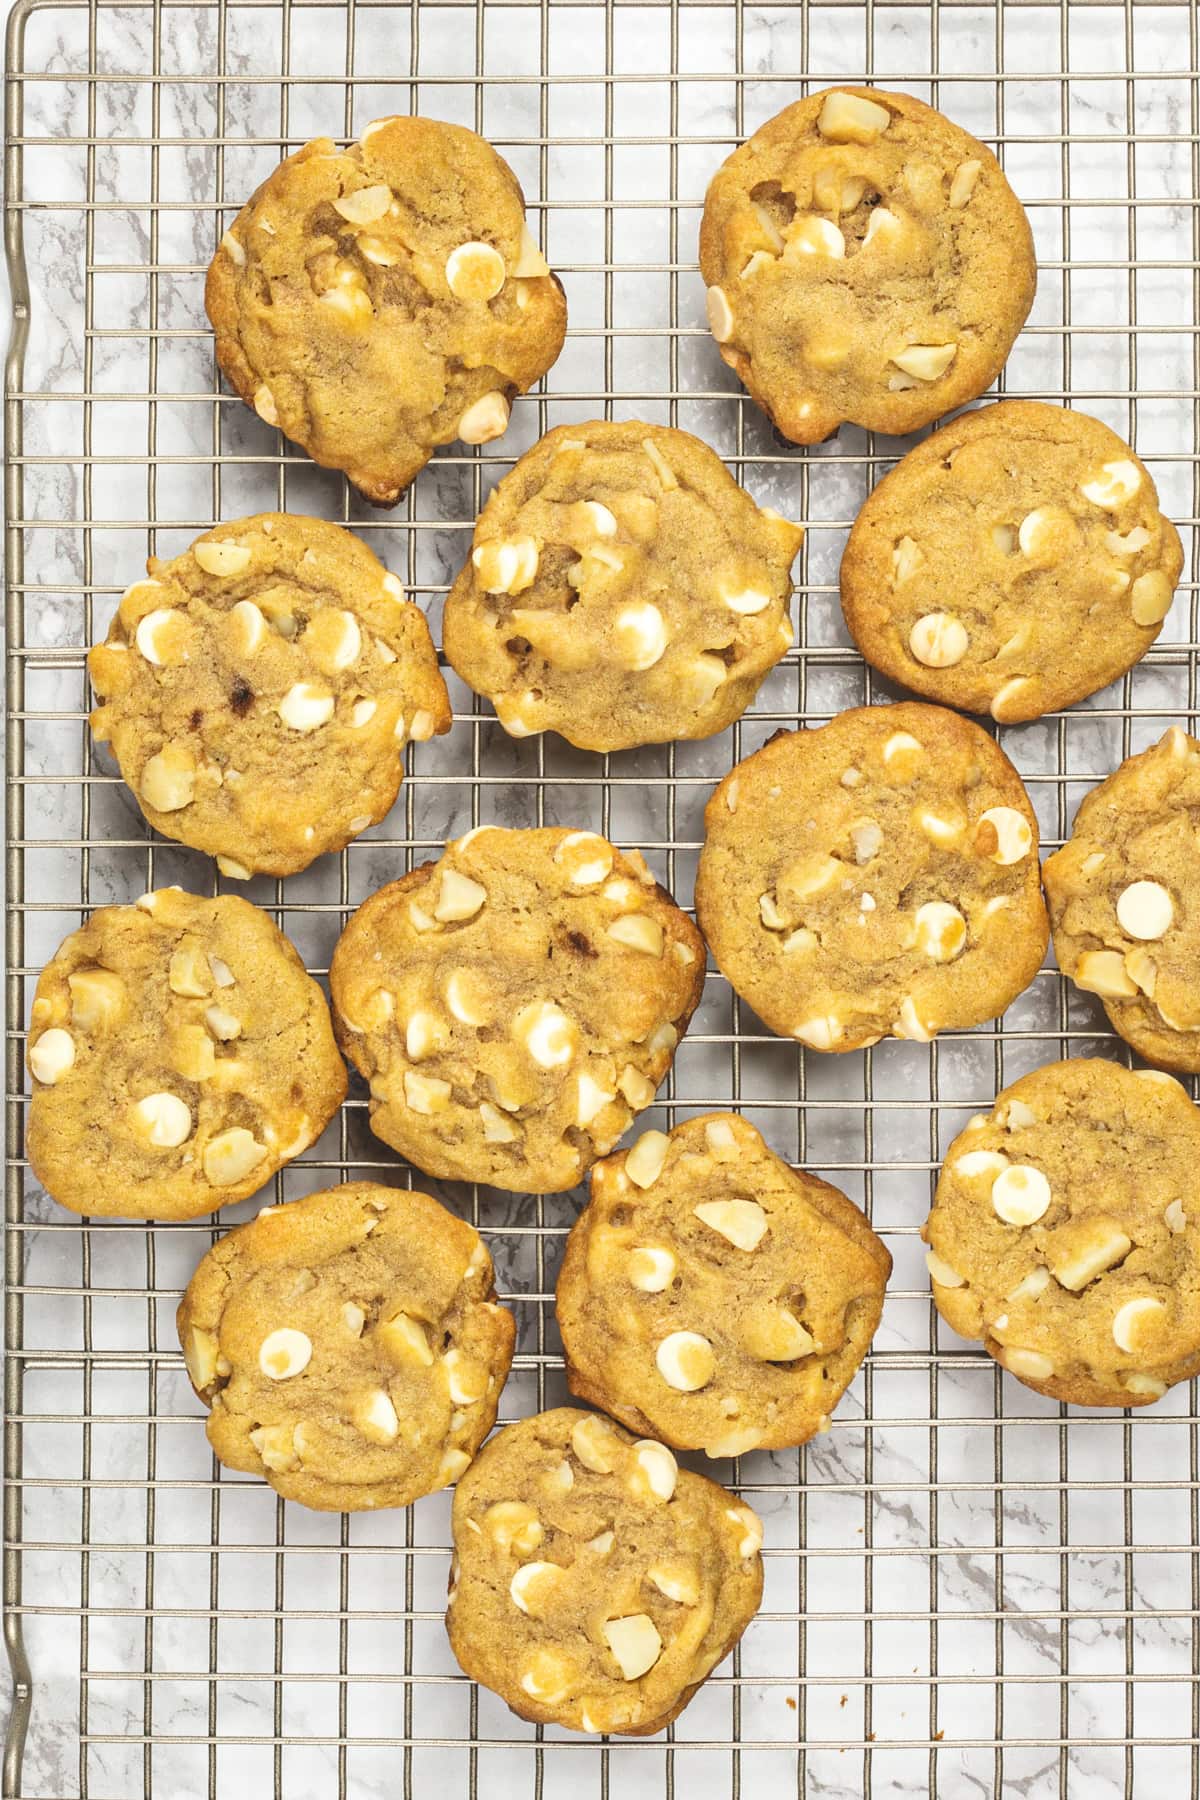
(969, 1590)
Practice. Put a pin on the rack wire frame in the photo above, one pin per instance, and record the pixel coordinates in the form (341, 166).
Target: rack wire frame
(969, 1589)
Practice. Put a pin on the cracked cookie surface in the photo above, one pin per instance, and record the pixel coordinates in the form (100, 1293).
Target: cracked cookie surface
(180, 1055)
(622, 590)
(1013, 563)
(1124, 899)
(876, 877)
(349, 1346)
(596, 1584)
(715, 1297)
(258, 692)
(378, 301)
(1065, 1233)
(513, 1005)
(866, 261)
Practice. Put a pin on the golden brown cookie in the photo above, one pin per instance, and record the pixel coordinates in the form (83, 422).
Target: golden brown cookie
(714, 1297)
(877, 877)
(595, 1584)
(1013, 563)
(259, 690)
(348, 1346)
(1065, 1233)
(515, 1004)
(180, 1055)
(378, 301)
(866, 261)
(622, 590)
(1124, 898)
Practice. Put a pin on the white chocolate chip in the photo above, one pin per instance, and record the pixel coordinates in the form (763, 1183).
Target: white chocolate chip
(1027, 1365)
(720, 314)
(53, 1055)
(1131, 1321)
(514, 1526)
(637, 931)
(595, 1444)
(675, 1582)
(850, 119)
(1103, 972)
(1020, 1195)
(818, 1033)
(424, 1035)
(882, 224)
(547, 1678)
(459, 897)
(1011, 831)
(1145, 910)
(814, 236)
(1150, 598)
(635, 1644)
(910, 1024)
(938, 640)
(221, 556)
(980, 1162)
(465, 1006)
(506, 565)
(168, 779)
(231, 1156)
(651, 1270)
(375, 1417)
(598, 863)
(751, 1528)
(333, 639)
(487, 419)
(306, 707)
(366, 205)
(656, 1468)
(742, 1222)
(644, 1161)
(590, 1099)
(249, 627)
(641, 636)
(528, 1579)
(1002, 705)
(164, 1119)
(475, 271)
(97, 1000)
(405, 1339)
(284, 1353)
(685, 1361)
(160, 636)
(941, 930)
(941, 1271)
(962, 184)
(901, 754)
(425, 1094)
(745, 601)
(1116, 483)
(549, 1036)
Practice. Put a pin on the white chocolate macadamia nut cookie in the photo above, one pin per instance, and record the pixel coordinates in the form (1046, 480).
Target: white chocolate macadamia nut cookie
(378, 301)
(259, 690)
(622, 590)
(876, 877)
(866, 261)
(1013, 563)
(1124, 899)
(514, 1005)
(714, 1297)
(1065, 1233)
(180, 1055)
(348, 1346)
(595, 1584)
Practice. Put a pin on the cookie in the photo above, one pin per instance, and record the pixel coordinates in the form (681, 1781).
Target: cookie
(515, 1004)
(1124, 899)
(180, 1055)
(877, 877)
(1065, 1233)
(348, 1346)
(713, 1297)
(1013, 563)
(866, 261)
(258, 692)
(378, 301)
(595, 1584)
(622, 590)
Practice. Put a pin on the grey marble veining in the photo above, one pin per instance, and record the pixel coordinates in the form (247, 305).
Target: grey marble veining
(972, 1566)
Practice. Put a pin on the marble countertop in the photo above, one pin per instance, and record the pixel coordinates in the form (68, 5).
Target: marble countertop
(965, 1585)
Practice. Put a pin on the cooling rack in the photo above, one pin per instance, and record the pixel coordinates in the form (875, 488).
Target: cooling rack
(969, 1590)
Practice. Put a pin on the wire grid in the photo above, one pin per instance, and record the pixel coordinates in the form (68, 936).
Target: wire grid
(968, 1590)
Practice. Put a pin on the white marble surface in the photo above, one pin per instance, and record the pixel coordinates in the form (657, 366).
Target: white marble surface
(934, 1610)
